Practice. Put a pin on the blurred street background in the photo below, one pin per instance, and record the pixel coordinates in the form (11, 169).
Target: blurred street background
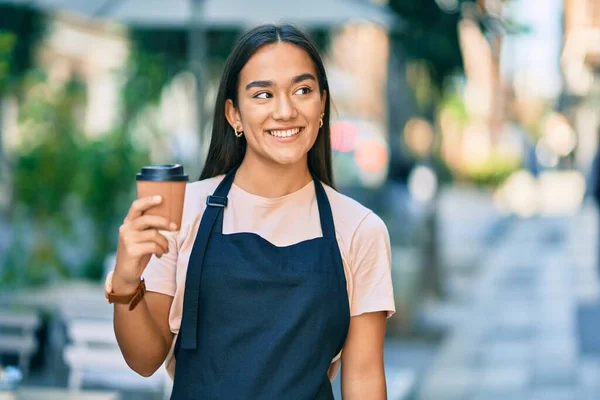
(470, 126)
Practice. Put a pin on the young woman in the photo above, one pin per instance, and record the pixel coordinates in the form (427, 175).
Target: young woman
(274, 277)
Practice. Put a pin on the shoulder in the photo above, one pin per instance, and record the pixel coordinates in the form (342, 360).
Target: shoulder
(196, 194)
(203, 188)
(345, 209)
(353, 220)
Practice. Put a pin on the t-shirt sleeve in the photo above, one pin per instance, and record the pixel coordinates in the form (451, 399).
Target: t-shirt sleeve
(371, 262)
(160, 273)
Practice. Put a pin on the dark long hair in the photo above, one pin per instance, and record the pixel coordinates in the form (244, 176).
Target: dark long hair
(226, 151)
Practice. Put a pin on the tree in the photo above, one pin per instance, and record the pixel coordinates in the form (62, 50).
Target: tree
(21, 29)
(430, 34)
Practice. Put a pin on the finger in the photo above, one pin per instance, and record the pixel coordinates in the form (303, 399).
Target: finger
(140, 205)
(152, 235)
(152, 222)
(144, 263)
(146, 249)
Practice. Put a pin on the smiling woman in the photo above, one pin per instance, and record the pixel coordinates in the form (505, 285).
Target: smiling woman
(274, 278)
(280, 112)
(280, 74)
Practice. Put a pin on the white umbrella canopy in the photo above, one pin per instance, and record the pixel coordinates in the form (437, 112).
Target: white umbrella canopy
(225, 13)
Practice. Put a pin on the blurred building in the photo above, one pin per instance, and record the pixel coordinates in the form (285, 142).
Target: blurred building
(357, 67)
(581, 68)
(88, 51)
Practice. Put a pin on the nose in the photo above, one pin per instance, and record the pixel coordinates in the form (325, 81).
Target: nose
(284, 109)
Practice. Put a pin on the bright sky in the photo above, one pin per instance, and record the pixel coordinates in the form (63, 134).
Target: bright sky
(534, 58)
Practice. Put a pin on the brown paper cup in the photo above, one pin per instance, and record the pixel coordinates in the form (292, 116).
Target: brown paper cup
(169, 182)
(172, 193)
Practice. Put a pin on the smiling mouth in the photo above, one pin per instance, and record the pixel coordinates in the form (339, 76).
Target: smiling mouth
(285, 133)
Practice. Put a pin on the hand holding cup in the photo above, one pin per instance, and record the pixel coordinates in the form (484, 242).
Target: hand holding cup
(154, 215)
(139, 238)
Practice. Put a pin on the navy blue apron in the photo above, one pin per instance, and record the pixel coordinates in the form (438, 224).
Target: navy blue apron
(260, 321)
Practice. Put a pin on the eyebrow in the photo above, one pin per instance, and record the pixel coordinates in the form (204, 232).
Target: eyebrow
(265, 84)
(303, 77)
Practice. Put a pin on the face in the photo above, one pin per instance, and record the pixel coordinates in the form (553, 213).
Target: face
(279, 104)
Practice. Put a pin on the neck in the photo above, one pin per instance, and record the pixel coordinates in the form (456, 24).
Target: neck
(271, 180)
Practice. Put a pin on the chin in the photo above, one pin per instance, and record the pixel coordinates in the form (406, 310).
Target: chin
(288, 159)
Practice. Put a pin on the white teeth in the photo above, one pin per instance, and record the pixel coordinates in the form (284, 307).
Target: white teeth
(286, 133)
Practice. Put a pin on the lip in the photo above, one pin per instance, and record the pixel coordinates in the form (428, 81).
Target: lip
(288, 138)
(284, 128)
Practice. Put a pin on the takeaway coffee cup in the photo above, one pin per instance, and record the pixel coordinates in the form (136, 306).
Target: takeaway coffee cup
(169, 182)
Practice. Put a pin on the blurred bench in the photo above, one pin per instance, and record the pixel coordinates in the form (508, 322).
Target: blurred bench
(94, 356)
(401, 383)
(18, 336)
(30, 393)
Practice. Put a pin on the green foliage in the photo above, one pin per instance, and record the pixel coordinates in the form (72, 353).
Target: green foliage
(21, 29)
(158, 55)
(146, 76)
(106, 185)
(70, 191)
(430, 34)
(50, 149)
(7, 44)
(494, 171)
(454, 103)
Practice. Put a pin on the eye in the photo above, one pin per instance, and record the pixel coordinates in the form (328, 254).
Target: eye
(303, 90)
(263, 95)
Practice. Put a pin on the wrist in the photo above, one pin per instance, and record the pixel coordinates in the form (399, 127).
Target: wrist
(122, 286)
(132, 299)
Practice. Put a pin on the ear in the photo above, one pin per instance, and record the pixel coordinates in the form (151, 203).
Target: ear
(323, 100)
(233, 116)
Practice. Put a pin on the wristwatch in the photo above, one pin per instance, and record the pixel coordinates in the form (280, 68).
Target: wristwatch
(132, 299)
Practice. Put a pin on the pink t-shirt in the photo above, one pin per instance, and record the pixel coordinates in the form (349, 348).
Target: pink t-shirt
(362, 238)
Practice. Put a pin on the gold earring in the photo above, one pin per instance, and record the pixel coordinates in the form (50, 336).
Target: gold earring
(238, 134)
(321, 120)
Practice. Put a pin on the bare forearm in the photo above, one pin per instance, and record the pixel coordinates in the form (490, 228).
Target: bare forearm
(143, 333)
(142, 343)
(368, 388)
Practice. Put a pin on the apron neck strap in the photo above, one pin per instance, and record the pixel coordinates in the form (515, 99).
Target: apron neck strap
(325, 215)
(219, 199)
(223, 189)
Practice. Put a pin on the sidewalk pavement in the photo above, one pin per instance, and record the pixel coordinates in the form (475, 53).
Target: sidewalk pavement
(405, 362)
(519, 338)
(468, 226)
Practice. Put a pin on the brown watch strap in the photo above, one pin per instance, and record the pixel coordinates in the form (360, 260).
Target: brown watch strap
(132, 299)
